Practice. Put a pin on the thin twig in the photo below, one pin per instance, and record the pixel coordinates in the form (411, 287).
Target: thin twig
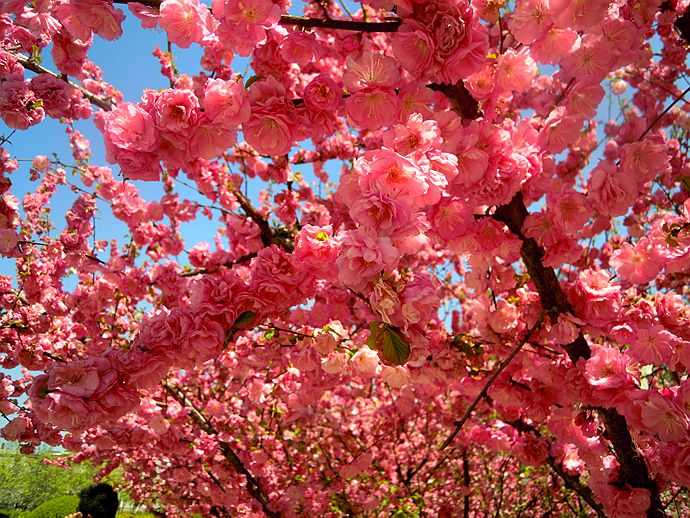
(482, 394)
(253, 486)
(26, 62)
(666, 110)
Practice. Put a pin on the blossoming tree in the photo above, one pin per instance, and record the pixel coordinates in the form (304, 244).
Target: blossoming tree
(475, 303)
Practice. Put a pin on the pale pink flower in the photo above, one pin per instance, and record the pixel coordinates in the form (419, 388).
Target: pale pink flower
(335, 363)
(369, 70)
(365, 361)
(396, 377)
(515, 71)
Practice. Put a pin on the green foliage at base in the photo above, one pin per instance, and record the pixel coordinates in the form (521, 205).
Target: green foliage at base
(55, 508)
(26, 482)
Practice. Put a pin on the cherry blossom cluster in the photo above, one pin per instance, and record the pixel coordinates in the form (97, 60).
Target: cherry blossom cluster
(444, 266)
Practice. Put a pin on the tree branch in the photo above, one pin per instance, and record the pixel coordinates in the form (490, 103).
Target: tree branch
(460, 98)
(253, 485)
(27, 63)
(482, 394)
(633, 468)
(390, 25)
(571, 482)
(345, 25)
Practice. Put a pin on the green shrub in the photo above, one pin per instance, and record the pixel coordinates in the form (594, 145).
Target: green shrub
(56, 508)
(26, 482)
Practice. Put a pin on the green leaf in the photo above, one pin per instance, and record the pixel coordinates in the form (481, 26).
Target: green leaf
(244, 320)
(251, 81)
(387, 340)
(270, 334)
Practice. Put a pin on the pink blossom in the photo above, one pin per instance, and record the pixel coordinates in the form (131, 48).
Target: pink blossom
(364, 256)
(644, 160)
(530, 20)
(335, 363)
(316, 250)
(607, 369)
(82, 17)
(654, 345)
(630, 503)
(19, 107)
(175, 110)
(451, 218)
(250, 12)
(610, 192)
(210, 141)
(226, 103)
(84, 378)
(380, 213)
(300, 48)
(373, 108)
(515, 71)
(396, 377)
(414, 48)
(554, 45)
(662, 417)
(635, 264)
(130, 127)
(370, 70)
(268, 135)
(560, 130)
(365, 361)
(322, 93)
(392, 175)
(183, 20)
